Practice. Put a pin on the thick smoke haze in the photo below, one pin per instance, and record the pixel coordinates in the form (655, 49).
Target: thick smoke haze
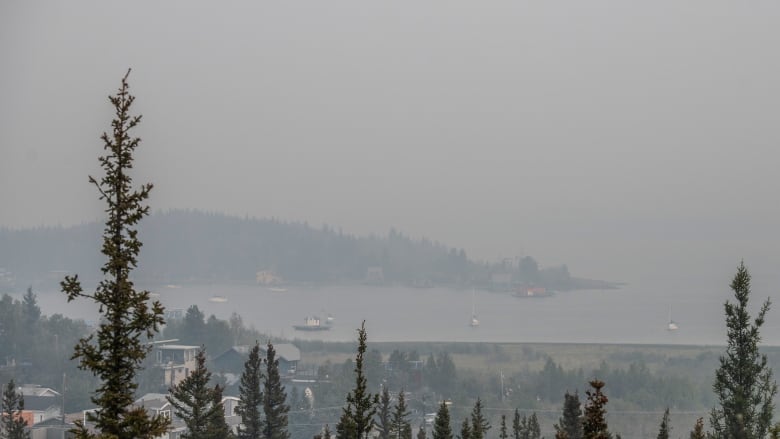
(633, 141)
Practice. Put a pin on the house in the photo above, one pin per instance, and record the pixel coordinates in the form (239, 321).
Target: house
(176, 361)
(233, 420)
(157, 404)
(40, 403)
(232, 361)
(52, 429)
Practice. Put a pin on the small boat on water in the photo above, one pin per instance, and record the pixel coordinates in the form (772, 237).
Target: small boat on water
(474, 320)
(218, 299)
(527, 292)
(277, 289)
(312, 324)
(672, 326)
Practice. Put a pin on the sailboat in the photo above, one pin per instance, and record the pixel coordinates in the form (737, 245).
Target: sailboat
(474, 320)
(672, 325)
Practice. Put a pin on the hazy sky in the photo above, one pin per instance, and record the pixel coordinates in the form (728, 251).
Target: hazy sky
(631, 140)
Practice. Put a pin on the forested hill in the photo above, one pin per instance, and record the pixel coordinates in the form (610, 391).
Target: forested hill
(192, 246)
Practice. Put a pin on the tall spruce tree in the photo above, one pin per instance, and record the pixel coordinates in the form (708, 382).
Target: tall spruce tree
(523, 430)
(664, 428)
(570, 424)
(400, 428)
(479, 424)
(517, 425)
(116, 351)
(217, 427)
(12, 425)
(250, 396)
(441, 426)
(533, 427)
(198, 404)
(743, 382)
(275, 405)
(383, 421)
(594, 422)
(503, 433)
(465, 430)
(357, 417)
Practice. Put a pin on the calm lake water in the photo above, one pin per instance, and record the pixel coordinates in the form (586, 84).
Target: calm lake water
(633, 314)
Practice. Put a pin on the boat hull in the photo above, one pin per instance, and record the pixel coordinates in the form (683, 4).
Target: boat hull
(310, 328)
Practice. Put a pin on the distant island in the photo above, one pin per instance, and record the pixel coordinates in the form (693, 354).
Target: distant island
(186, 246)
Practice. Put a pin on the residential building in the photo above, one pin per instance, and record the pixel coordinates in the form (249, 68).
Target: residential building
(176, 361)
(40, 403)
(232, 361)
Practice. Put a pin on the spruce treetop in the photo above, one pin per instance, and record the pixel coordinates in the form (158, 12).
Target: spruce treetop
(275, 405)
(115, 352)
(743, 382)
(357, 417)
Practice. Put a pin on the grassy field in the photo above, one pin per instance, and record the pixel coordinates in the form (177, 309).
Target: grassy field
(516, 357)
(697, 363)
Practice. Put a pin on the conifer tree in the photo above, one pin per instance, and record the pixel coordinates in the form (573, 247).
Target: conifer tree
(465, 430)
(383, 421)
(663, 430)
(533, 427)
(517, 426)
(441, 426)
(407, 432)
(275, 405)
(217, 428)
(250, 396)
(523, 430)
(698, 430)
(743, 382)
(479, 424)
(594, 423)
(31, 310)
(503, 433)
(12, 425)
(570, 423)
(399, 424)
(198, 404)
(116, 351)
(357, 417)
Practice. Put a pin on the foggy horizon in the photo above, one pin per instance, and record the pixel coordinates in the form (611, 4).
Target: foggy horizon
(631, 142)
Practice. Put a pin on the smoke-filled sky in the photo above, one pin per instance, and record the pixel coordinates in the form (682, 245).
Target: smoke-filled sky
(630, 140)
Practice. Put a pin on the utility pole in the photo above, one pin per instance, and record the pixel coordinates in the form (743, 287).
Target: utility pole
(63, 398)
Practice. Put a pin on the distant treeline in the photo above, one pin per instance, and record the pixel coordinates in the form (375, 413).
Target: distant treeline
(193, 246)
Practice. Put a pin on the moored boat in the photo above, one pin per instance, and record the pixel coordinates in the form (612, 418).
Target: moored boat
(526, 292)
(672, 326)
(312, 324)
